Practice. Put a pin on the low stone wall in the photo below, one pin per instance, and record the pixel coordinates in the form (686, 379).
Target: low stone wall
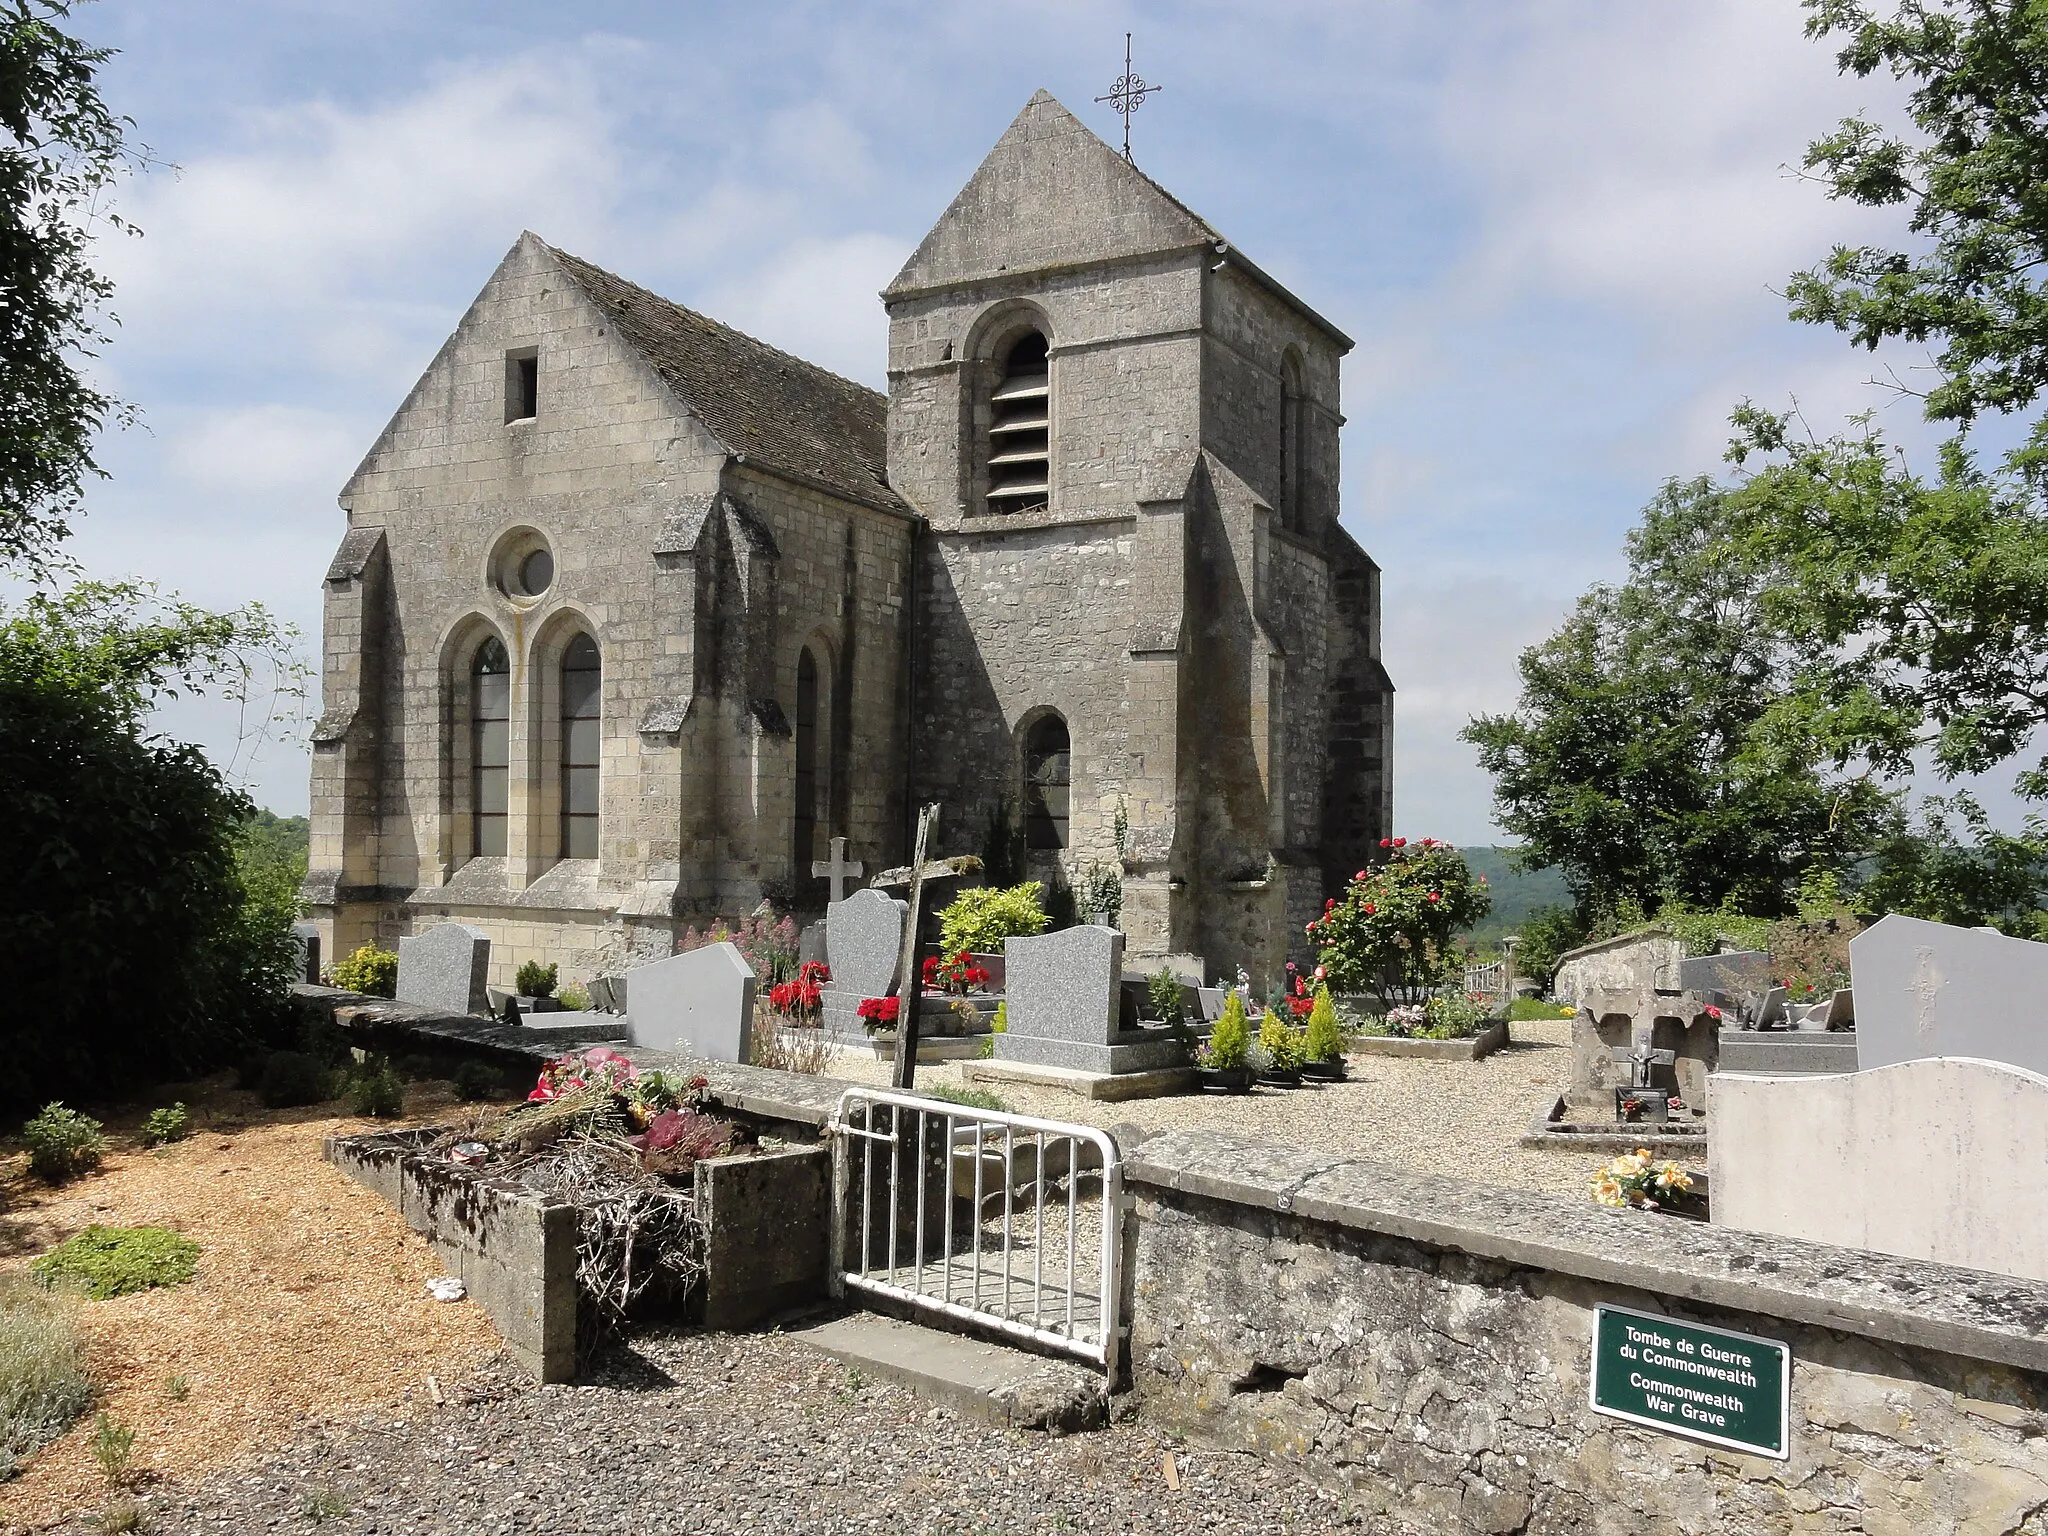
(1423, 1345)
(1471, 1048)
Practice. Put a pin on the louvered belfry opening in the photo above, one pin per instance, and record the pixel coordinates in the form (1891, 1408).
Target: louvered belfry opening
(1020, 430)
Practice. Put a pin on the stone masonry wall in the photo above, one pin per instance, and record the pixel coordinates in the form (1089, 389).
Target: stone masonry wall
(1422, 1345)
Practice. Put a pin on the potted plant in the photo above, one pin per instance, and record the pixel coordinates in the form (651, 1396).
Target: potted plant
(535, 984)
(1224, 1061)
(1323, 1048)
(1279, 1052)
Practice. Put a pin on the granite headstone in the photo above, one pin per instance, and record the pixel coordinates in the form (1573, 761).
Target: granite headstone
(864, 937)
(701, 1002)
(308, 937)
(445, 968)
(1928, 989)
(1065, 996)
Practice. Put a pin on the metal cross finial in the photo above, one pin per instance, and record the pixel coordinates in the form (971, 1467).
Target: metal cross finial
(1127, 95)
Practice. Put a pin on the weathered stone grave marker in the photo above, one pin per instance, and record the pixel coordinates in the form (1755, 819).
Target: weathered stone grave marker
(701, 1002)
(837, 869)
(445, 967)
(1928, 989)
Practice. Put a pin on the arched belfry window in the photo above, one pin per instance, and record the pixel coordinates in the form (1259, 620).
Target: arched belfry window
(582, 675)
(1292, 446)
(490, 747)
(1020, 429)
(1048, 778)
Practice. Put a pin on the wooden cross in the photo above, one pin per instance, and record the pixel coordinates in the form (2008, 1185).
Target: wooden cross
(837, 869)
(911, 985)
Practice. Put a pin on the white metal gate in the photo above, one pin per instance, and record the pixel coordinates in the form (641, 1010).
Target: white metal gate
(945, 1208)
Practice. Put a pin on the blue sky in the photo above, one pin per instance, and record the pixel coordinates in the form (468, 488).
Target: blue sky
(1553, 229)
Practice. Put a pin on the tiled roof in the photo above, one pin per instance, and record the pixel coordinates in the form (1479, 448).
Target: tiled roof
(780, 411)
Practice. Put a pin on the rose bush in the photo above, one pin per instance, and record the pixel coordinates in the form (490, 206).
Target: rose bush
(1391, 932)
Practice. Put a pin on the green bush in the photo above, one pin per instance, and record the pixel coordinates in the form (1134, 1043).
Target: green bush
(1230, 1043)
(1325, 1041)
(1279, 1044)
(62, 1143)
(979, 920)
(574, 998)
(536, 980)
(292, 1078)
(172, 1123)
(374, 1089)
(1526, 1009)
(1163, 991)
(104, 1262)
(476, 1080)
(43, 1384)
(370, 971)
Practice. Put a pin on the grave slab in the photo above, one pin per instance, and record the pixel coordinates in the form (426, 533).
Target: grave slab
(701, 1002)
(1928, 989)
(446, 967)
(1916, 1159)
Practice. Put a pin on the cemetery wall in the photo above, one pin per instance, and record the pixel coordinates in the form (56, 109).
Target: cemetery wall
(1627, 962)
(1422, 1345)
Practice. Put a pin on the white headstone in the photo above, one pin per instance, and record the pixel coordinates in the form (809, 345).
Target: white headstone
(445, 967)
(701, 1002)
(1927, 989)
(1925, 1159)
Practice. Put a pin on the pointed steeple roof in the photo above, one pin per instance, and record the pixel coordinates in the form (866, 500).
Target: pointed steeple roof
(1050, 194)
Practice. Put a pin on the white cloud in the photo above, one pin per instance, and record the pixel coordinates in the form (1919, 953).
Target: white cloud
(262, 449)
(819, 298)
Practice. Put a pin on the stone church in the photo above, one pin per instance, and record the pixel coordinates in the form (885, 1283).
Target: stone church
(634, 613)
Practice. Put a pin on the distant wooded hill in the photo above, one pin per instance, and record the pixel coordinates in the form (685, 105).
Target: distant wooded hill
(1515, 895)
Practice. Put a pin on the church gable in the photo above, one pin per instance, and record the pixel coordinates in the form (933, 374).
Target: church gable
(1050, 194)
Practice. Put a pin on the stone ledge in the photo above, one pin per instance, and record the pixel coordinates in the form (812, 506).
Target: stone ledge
(1901, 1301)
(1470, 1048)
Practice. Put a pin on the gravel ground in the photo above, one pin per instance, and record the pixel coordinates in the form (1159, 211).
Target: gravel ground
(725, 1433)
(1457, 1117)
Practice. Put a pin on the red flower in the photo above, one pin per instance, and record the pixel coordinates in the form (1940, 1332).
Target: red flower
(1713, 1012)
(1330, 905)
(883, 1010)
(1400, 842)
(1370, 909)
(1359, 876)
(1434, 896)
(1385, 842)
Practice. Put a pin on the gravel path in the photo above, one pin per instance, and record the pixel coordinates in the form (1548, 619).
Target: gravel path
(1463, 1118)
(694, 1432)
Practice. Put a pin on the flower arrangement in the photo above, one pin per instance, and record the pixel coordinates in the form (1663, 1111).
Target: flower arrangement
(957, 976)
(800, 998)
(1633, 1180)
(879, 1013)
(1229, 1045)
(1391, 932)
(599, 1069)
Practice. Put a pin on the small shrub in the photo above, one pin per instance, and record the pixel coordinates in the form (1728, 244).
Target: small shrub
(122, 1514)
(62, 1143)
(536, 980)
(1164, 993)
(43, 1385)
(318, 1504)
(1230, 1045)
(797, 1048)
(1325, 1040)
(113, 1447)
(370, 971)
(375, 1090)
(178, 1388)
(476, 1080)
(292, 1078)
(1279, 1044)
(105, 1262)
(574, 998)
(979, 920)
(172, 1123)
(1000, 1024)
(972, 1098)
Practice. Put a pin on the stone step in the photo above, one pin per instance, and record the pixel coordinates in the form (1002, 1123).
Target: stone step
(1788, 1052)
(986, 1381)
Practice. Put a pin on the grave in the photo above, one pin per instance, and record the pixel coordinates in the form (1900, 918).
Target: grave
(1647, 1043)
(1065, 997)
(1928, 989)
(307, 936)
(864, 936)
(445, 968)
(700, 1002)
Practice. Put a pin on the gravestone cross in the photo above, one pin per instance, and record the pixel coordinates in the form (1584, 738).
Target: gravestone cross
(837, 869)
(1641, 1058)
(909, 983)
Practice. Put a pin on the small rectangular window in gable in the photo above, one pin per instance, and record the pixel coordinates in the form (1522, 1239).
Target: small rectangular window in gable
(522, 384)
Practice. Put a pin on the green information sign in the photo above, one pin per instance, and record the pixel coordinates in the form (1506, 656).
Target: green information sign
(1730, 1389)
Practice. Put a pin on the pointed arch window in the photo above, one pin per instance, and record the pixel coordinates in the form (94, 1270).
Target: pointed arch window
(582, 731)
(1291, 443)
(1020, 429)
(1048, 781)
(490, 747)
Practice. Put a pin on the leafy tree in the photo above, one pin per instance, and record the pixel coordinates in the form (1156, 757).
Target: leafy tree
(163, 931)
(1930, 871)
(1634, 760)
(60, 149)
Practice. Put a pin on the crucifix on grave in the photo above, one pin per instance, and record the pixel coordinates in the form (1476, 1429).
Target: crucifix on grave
(910, 985)
(838, 869)
(1641, 1059)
